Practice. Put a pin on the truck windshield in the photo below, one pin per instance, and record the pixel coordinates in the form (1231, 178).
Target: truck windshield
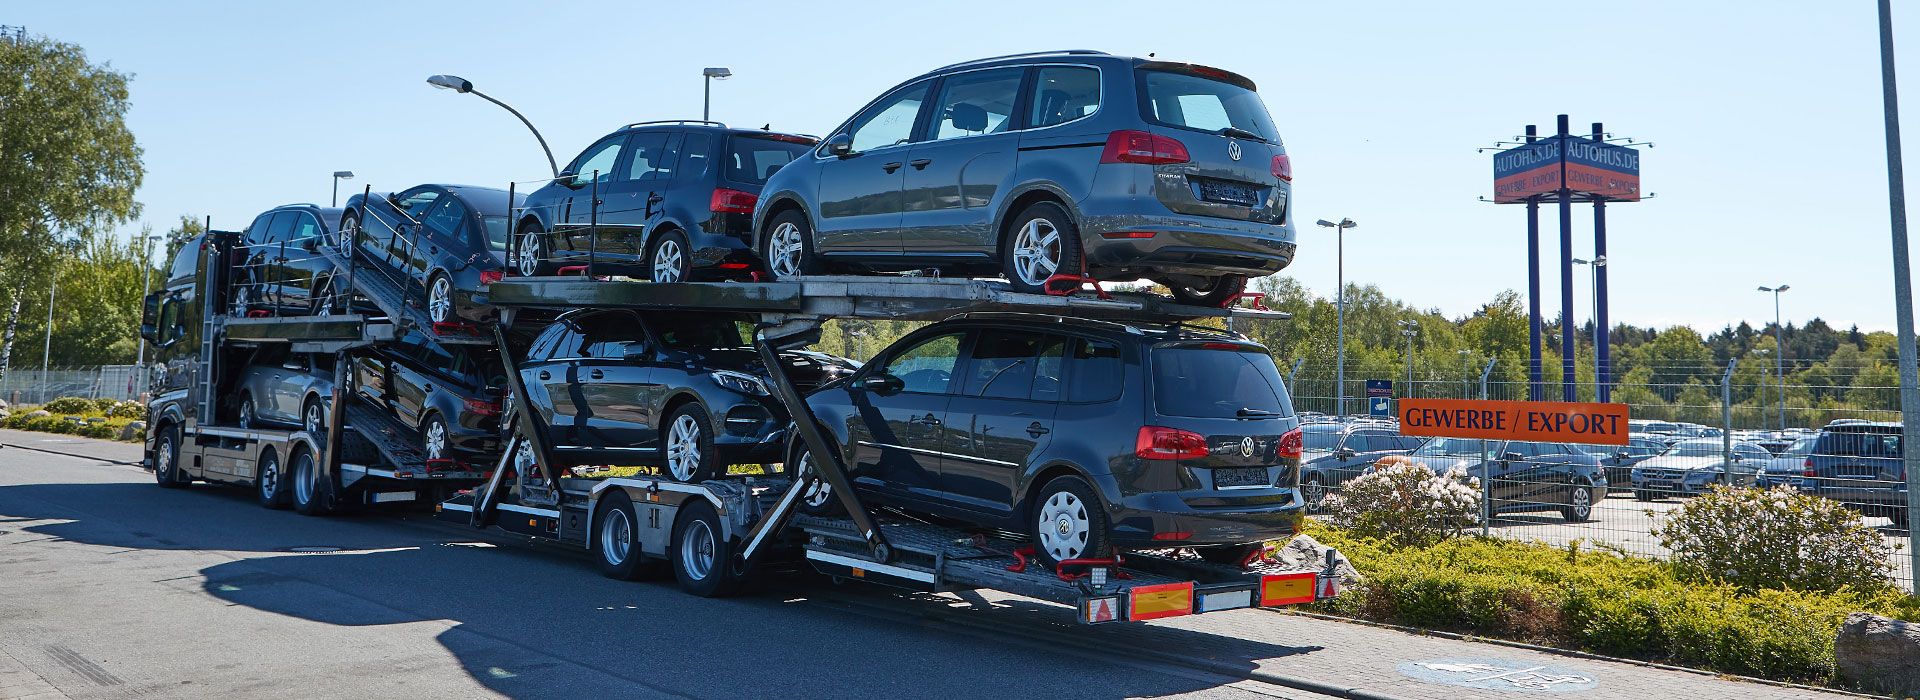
(1198, 382)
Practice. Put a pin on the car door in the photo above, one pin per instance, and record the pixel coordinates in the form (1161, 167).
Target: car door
(899, 430)
(955, 175)
(572, 237)
(410, 385)
(306, 266)
(631, 201)
(1002, 417)
(288, 389)
(370, 376)
(860, 196)
(1352, 454)
(398, 229)
(544, 374)
(614, 393)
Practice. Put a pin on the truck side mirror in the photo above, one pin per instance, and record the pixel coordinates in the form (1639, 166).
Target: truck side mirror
(150, 318)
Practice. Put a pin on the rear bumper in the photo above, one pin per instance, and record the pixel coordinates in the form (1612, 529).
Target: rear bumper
(1138, 518)
(1876, 493)
(1185, 245)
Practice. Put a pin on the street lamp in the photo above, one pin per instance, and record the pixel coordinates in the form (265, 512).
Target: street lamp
(1340, 313)
(339, 175)
(1597, 263)
(53, 291)
(464, 86)
(706, 96)
(1780, 356)
(1763, 353)
(1409, 328)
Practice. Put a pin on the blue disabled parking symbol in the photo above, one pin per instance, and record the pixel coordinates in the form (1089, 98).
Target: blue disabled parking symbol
(1500, 674)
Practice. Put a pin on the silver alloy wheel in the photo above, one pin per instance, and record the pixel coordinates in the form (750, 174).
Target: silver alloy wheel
(242, 300)
(1036, 252)
(817, 492)
(246, 412)
(527, 258)
(1582, 500)
(616, 537)
(349, 232)
(683, 448)
(323, 304)
(1064, 527)
(303, 476)
(437, 439)
(666, 261)
(1315, 493)
(523, 462)
(784, 251)
(313, 421)
(269, 479)
(696, 549)
(440, 300)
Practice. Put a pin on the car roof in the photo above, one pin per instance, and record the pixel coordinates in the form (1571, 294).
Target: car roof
(1152, 331)
(1084, 56)
(708, 126)
(490, 201)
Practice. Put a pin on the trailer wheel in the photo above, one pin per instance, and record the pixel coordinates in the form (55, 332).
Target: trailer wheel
(702, 556)
(166, 458)
(269, 483)
(1069, 522)
(311, 495)
(616, 537)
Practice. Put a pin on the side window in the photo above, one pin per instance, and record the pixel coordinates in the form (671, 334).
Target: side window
(282, 227)
(607, 334)
(1048, 369)
(694, 158)
(889, 121)
(447, 218)
(1062, 94)
(1358, 442)
(257, 233)
(415, 204)
(927, 368)
(542, 347)
(1400, 442)
(568, 343)
(650, 159)
(600, 158)
(1093, 371)
(185, 260)
(304, 228)
(977, 103)
(1004, 363)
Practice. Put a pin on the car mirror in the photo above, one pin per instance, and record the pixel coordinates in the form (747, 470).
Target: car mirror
(636, 352)
(1621, 455)
(1343, 453)
(882, 383)
(840, 145)
(149, 318)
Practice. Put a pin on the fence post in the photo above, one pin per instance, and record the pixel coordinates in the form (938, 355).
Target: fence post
(1726, 424)
(1486, 473)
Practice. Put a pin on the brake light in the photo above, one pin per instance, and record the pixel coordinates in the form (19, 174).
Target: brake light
(1292, 444)
(1155, 442)
(481, 407)
(1221, 346)
(726, 201)
(1130, 146)
(788, 138)
(1806, 468)
(492, 276)
(1283, 168)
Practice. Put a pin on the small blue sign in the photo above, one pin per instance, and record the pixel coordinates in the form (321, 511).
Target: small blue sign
(1380, 406)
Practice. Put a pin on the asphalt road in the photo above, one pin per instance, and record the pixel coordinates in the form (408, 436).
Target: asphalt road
(113, 588)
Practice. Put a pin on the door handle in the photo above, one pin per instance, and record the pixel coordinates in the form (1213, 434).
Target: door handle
(596, 374)
(891, 167)
(1036, 429)
(544, 375)
(920, 163)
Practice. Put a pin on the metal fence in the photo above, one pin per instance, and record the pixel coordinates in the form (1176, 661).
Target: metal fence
(1835, 440)
(32, 386)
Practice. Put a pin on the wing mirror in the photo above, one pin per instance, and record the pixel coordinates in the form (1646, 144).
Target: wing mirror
(150, 318)
(1343, 454)
(882, 383)
(636, 352)
(840, 145)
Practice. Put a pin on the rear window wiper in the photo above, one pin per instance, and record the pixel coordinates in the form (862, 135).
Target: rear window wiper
(1256, 413)
(1240, 133)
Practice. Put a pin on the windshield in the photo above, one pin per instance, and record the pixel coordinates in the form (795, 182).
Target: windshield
(686, 331)
(1695, 448)
(1200, 382)
(496, 227)
(1802, 446)
(1190, 101)
(1452, 447)
(753, 160)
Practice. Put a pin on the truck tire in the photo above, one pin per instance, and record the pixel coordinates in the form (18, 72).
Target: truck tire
(312, 495)
(269, 480)
(702, 556)
(166, 459)
(616, 537)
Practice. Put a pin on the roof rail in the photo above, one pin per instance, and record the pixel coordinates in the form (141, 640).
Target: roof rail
(1030, 54)
(676, 121)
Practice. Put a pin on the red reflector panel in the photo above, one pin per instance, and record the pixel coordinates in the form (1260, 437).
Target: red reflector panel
(1287, 589)
(1119, 235)
(1164, 600)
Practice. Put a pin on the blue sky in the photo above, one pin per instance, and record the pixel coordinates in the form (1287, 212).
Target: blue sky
(1769, 164)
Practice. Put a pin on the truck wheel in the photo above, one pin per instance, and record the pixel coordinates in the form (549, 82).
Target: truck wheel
(311, 496)
(616, 537)
(690, 454)
(166, 459)
(268, 483)
(1069, 522)
(702, 556)
(1579, 507)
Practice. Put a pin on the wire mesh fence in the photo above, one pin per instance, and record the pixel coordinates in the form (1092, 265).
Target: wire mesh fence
(21, 386)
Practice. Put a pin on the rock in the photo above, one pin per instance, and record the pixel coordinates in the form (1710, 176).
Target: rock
(1303, 553)
(3, 405)
(132, 429)
(1879, 654)
(42, 413)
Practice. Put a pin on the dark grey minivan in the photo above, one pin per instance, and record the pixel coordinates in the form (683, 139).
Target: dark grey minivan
(1034, 166)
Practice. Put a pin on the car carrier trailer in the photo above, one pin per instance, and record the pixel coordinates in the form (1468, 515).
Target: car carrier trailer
(714, 533)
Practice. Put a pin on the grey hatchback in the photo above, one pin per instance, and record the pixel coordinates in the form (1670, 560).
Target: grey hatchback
(1043, 167)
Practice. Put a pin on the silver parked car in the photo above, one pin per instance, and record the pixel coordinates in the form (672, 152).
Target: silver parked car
(295, 393)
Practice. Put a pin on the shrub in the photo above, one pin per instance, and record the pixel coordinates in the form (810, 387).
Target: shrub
(104, 404)
(69, 405)
(1777, 538)
(1407, 503)
(132, 410)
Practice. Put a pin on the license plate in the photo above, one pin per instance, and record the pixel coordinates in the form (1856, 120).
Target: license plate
(1662, 485)
(1228, 192)
(1225, 478)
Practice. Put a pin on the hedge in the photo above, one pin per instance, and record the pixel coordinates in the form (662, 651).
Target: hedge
(107, 428)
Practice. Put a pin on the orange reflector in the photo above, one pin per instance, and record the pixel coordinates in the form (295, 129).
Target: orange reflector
(1164, 600)
(1287, 589)
(859, 573)
(533, 522)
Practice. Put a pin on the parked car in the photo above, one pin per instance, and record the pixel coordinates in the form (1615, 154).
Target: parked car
(1520, 476)
(1788, 466)
(282, 389)
(1334, 453)
(1036, 165)
(1690, 467)
(677, 203)
(1618, 460)
(281, 267)
(1089, 436)
(443, 244)
(1860, 463)
(451, 394)
(683, 390)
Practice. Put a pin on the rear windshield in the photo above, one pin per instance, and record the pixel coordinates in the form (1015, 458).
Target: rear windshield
(1321, 440)
(1853, 443)
(1190, 101)
(1206, 383)
(754, 160)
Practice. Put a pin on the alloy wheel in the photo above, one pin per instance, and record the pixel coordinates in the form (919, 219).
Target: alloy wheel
(312, 422)
(436, 440)
(683, 448)
(616, 537)
(527, 258)
(1315, 493)
(666, 261)
(348, 232)
(1582, 501)
(246, 413)
(163, 462)
(440, 300)
(696, 549)
(1064, 527)
(1036, 251)
(817, 492)
(784, 250)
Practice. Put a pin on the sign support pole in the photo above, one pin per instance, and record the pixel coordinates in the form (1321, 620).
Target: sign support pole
(1567, 373)
(1536, 382)
(1486, 476)
(1603, 356)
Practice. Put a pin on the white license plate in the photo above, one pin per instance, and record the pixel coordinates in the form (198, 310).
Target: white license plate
(1229, 478)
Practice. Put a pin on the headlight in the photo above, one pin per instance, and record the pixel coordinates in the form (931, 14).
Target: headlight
(743, 383)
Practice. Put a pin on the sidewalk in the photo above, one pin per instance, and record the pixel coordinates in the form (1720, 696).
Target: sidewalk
(74, 445)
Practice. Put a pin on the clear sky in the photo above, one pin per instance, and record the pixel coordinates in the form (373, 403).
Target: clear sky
(1769, 164)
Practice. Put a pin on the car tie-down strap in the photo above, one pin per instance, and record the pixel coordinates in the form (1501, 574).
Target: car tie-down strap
(1259, 301)
(1026, 555)
(1063, 284)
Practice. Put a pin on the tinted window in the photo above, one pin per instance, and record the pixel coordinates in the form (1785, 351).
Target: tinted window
(1206, 383)
(446, 218)
(543, 346)
(258, 232)
(1858, 444)
(598, 159)
(650, 159)
(185, 260)
(1358, 442)
(927, 367)
(693, 155)
(282, 227)
(1003, 363)
(754, 159)
(1395, 442)
(1062, 94)
(1095, 368)
(496, 232)
(1801, 447)
(567, 344)
(1321, 438)
(304, 227)
(688, 331)
(980, 102)
(890, 121)
(1745, 451)
(1047, 369)
(606, 335)
(1194, 102)
(415, 204)
(1455, 447)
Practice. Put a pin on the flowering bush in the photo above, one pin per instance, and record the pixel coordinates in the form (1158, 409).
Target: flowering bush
(125, 409)
(1776, 538)
(1407, 502)
(70, 405)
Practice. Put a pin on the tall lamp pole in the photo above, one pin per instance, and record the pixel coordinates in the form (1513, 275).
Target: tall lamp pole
(1340, 313)
(1779, 352)
(706, 95)
(1409, 328)
(1763, 353)
(464, 86)
(339, 175)
(1597, 262)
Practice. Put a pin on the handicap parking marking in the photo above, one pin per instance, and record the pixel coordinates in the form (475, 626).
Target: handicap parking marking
(1500, 674)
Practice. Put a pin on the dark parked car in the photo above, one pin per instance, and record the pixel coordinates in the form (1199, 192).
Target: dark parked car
(1860, 464)
(282, 269)
(1088, 436)
(284, 389)
(682, 390)
(1690, 467)
(1618, 460)
(1036, 165)
(450, 393)
(1335, 453)
(676, 199)
(1522, 476)
(443, 244)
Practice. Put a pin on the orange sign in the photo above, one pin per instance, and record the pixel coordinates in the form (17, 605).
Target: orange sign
(1531, 421)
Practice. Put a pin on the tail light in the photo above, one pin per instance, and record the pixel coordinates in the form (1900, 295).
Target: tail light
(1155, 442)
(482, 407)
(726, 201)
(1806, 468)
(1283, 168)
(492, 276)
(1130, 146)
(1292, 444)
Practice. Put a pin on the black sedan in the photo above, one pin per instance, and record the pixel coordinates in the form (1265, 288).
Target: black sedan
(1524, 476)
(452, 395)
(280, 268)
(681, 390)
(443, 244)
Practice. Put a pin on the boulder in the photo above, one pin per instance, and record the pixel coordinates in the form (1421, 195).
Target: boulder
(1879, 654)
(1304, 553)
(132, 430)
(42, 413)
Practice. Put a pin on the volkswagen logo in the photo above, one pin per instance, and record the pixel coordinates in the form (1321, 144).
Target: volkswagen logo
(1246, 447)
(1233, 149)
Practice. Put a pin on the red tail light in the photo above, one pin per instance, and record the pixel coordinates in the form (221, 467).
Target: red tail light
(1129, 146)
(1283, 168)
(1155, 442)
(492, 276)
(726, 201)
(1806, 468)
(481, 407)
(1292, 444)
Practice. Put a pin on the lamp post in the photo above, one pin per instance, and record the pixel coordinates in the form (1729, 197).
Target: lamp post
(706, 95)
(53, 292)
(339, 175)
(464, 86)
(1409, 328)
(1596, 263)
(1340, 313)
(1780, 353)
